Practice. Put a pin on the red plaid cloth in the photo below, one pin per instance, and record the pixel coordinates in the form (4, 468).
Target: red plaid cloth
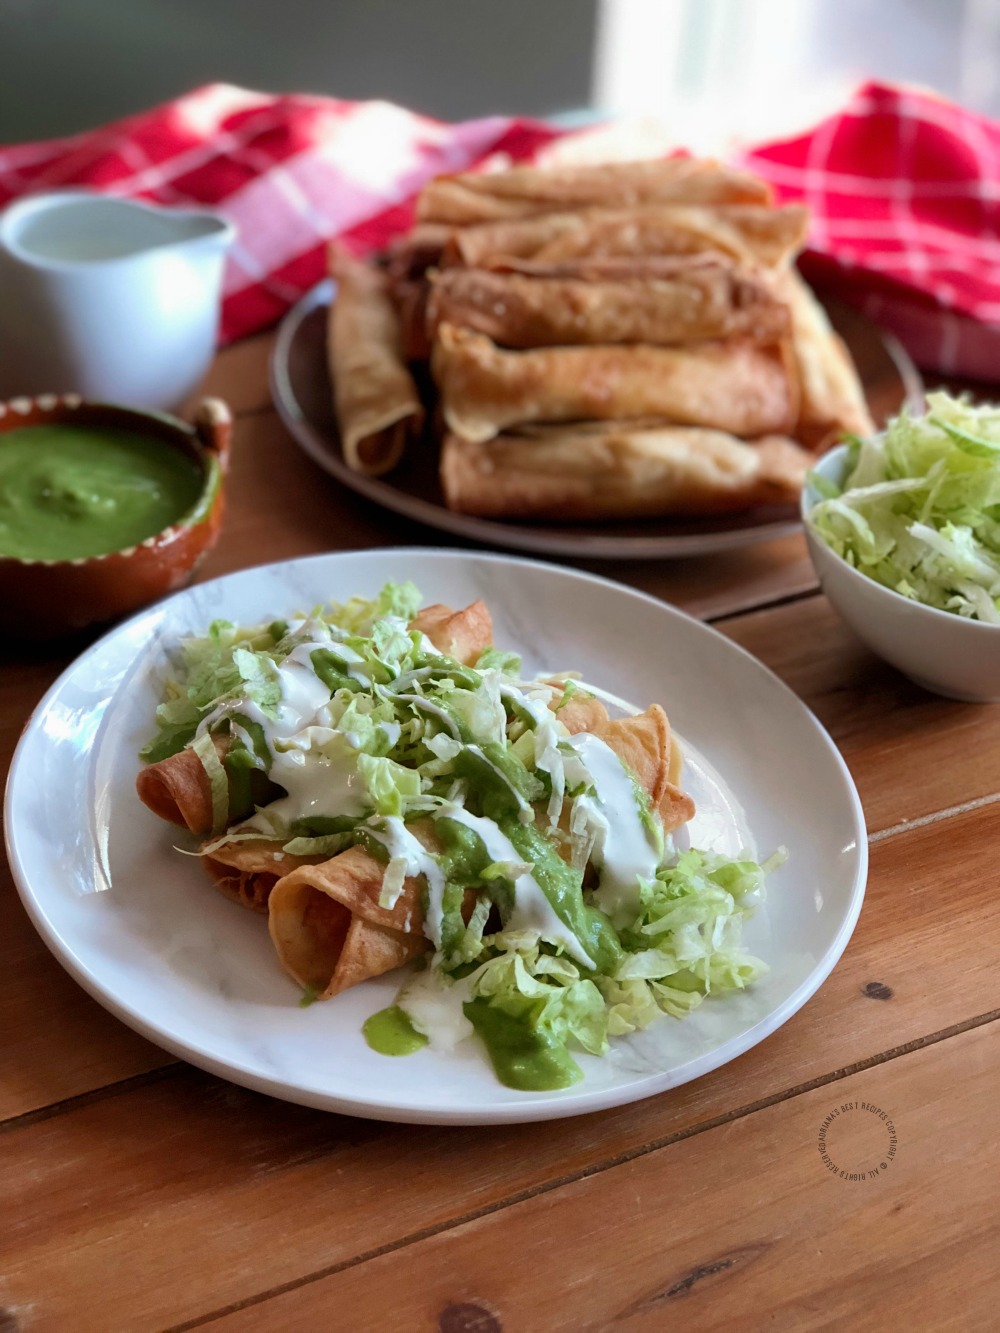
(904, 193)
(289, 172)
(904, 190)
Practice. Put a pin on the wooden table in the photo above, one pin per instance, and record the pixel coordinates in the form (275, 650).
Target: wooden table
(137, 1193)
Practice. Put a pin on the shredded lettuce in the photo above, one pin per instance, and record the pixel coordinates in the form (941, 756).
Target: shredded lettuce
(358, 614)
(919, 510)
(547, 994)
(684, 945)
(211, 667)
(389, 784)
(204, 748)
(479, 712)
(498, 660)
(230, 662)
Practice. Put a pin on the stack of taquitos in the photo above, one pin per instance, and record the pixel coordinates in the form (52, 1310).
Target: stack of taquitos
(619, 340)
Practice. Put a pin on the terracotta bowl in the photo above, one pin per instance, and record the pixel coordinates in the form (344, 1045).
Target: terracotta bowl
(46, 598)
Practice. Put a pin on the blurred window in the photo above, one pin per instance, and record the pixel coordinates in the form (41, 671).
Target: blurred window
(719, 71)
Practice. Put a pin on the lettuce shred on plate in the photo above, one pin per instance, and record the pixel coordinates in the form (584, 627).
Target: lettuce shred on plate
(564, 950)
(919, 510)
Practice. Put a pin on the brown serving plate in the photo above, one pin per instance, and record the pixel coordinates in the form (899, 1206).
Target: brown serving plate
(303, 396)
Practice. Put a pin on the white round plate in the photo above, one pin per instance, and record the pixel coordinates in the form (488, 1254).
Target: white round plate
(139, 926)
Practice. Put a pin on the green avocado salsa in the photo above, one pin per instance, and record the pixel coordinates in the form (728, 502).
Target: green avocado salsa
(68, 492)
(390, 1032)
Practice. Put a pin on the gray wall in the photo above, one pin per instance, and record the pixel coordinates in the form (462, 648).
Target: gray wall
(66, 65)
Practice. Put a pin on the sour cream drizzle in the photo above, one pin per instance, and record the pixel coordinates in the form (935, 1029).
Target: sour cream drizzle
(408, 857)
(318, 769)
(624, 850)
(433, 1003)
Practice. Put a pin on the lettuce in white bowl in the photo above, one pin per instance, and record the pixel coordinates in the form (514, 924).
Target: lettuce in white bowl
(919, 508)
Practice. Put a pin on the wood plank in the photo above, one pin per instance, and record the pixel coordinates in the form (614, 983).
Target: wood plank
(911, 753)
(745, 1218)
(58, 1042)
(239, 374)
(726, 584)
(243, 1194)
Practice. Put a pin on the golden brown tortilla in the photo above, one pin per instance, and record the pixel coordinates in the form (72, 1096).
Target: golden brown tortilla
(378, 407)
(644, 745)
(746, 232)
(518, 238)
(328, 928)
(689, 301)
(247, 870)
(581, 711)
(832, 400)
(523, 191)
(178, 790)
(733, 386)
(620, 470)
(464, 635)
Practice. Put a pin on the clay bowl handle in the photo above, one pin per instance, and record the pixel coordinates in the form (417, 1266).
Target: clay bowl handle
(213, 424)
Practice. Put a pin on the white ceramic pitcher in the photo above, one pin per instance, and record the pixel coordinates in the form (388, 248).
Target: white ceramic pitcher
(115, 300)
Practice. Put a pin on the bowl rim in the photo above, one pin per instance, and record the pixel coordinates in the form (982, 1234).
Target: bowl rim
(208, 461)
(813, 541)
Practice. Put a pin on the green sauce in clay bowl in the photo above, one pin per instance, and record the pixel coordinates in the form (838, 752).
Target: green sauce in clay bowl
(103, 509)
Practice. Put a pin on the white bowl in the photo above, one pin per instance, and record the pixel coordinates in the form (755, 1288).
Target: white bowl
(945, 653)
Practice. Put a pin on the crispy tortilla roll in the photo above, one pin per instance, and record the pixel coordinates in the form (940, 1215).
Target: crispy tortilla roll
(521, 238)
(378, 407)
(733, 386)
(697, 301)
(178, 790)
(328, 928)
(619, 471)
(644, 744)
(748, 232)
(523, 191)
(464, 635)
(769, 236)
(625, 268)
(832, 399)
(247, 871)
